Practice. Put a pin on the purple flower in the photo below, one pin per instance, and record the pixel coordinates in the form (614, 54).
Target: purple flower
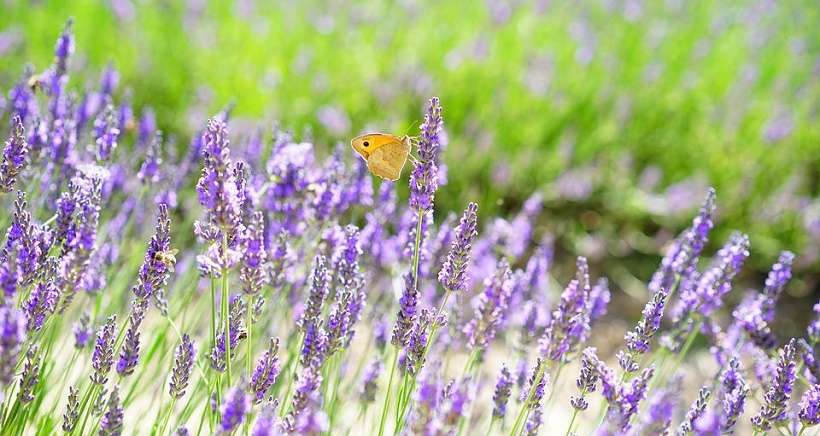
(492, 306)
(183, 364)
(236, 332)
(14, 155)
(417, 338)
(779, 276)
(623, 399)
(347, 263)
(776, 400)
(734, 391)
(106, 133)
(72, 410)
(587, 380)
(813, 329)
(82, 331)
(696, 410)
(12, 335)
(424, 177)
(599, 297)
(306, 416)
(41, 303)
(109, 79)
(21, 100)
(637, 340)
(111, 422)
(684, 253)
(427, 401)
(810, 406)
(148, 125)
(455, 404)
(64, 47)
(79, 212)
(501, 394)
(453, 274)
(319, 283)
(314, 346)
(217, 186)
(267, 370)
(103, 356)
(158, 261)
(659, 414)
(149, 170)
(569, 325)
(267, 423)
(338, 322)
(30, 376)
(253, 270)
(707, 425)
(235, 406)
(370, 380)
(130, 351)
(29, 242)
(407, 312)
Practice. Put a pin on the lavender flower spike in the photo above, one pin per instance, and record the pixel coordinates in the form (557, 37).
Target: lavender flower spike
(103, 356)
(810, 406)
(111, 423)
(158, 261)
(569, 325)
(12, 335)
(253, 271)
(130, 352)
(267, 370)
(453, 273)
(491, 308)
(733, 392)
(407, 312)
(776, 400)
(696, 410)
(14, 156)
(217, 186)
(370, 380)
(685, 251)
(234, 407)
(183, 364)
(637, 340)
(319, 282)
(503, 389)
(587, 379)
(424, 177)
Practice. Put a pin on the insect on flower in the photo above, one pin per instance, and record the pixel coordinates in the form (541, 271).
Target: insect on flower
(167, 257)
(384, 153)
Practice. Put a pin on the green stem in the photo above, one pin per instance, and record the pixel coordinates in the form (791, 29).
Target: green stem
(225, 312)
(574, 415)
(168, 416)
(522, 414)
(386, 407)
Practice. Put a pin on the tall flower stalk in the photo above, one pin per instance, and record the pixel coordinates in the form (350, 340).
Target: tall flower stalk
(423, 185)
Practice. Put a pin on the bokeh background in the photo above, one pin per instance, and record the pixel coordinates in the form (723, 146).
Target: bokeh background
(620, 113)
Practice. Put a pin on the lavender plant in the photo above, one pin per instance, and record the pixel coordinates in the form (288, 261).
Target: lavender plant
(344, 296)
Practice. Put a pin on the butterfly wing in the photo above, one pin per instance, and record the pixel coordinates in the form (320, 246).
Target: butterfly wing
(367, 144)
(388, 160)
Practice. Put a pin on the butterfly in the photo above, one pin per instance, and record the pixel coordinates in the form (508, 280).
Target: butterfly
(385, 154)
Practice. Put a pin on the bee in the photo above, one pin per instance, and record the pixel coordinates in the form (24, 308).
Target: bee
(36, 81)
(167, 257)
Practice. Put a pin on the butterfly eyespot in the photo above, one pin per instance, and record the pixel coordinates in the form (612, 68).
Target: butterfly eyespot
(365, 143)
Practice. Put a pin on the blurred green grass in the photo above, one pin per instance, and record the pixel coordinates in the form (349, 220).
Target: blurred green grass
(686, 89)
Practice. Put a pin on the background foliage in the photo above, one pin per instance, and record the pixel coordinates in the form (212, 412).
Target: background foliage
(620, 113)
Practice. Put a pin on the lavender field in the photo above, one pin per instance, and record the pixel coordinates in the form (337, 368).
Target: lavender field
(251, 280)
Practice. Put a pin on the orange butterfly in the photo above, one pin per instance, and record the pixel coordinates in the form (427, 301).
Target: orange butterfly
(385, 154)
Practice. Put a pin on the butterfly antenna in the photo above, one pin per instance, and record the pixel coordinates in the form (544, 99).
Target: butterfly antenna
(410, 127)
